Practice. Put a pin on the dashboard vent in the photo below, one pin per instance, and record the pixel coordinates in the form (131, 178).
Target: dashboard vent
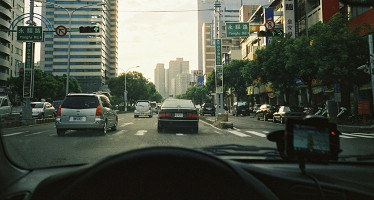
(302, 191)
(19, 196)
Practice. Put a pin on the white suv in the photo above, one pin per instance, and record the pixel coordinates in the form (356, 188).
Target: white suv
(143, 108)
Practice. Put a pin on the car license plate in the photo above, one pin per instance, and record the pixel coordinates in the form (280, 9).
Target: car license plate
(178, 115)
(78, 119)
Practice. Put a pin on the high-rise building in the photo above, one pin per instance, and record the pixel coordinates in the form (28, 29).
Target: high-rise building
(159, 74)
(94, 56)
(230, 13)
(182, 83)
(178, 66)
(11, 51)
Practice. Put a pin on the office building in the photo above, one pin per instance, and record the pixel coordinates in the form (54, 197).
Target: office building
(94, 56)
(159, 74)
(11, 51)
(176, 67)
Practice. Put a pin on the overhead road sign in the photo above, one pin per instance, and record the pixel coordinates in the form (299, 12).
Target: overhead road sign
(269, 24)
(273, 33)
(30, 33)
(61, 31)
(237, 29)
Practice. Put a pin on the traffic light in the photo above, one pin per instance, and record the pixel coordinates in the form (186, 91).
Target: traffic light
(89, 29)
(273, 33)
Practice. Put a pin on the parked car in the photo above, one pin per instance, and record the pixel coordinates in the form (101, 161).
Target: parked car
(5, 106)
(154, 107)
(287, 112)
(42, 110)
(56, 104)
(266, 111)
(240, 107)
(254, 108)
(86, 111)
(178, 113)
(208, 108)
(143, 108)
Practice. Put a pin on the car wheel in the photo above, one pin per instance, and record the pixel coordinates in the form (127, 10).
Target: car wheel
(42, 116)
(60, 132)
(135, 116)
(53, 115)
(104, 130)
(114, 127)
(274, 120)
(150, 116)
(258, 118)
(265, 117)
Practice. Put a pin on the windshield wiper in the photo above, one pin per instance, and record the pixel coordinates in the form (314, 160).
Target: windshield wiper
(241, 150)
(357, 157)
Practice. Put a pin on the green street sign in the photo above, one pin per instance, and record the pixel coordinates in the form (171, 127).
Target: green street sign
(30, 33)
(219, 68)
(218, 51)
(237, 29)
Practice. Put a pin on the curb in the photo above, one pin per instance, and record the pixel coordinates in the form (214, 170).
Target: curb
(9, 124)
(222, 125)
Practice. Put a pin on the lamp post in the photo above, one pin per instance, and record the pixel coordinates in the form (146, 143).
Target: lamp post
(125, 92)
(70, 14)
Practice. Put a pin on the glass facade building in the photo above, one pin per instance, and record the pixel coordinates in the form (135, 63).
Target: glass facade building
(93, 56)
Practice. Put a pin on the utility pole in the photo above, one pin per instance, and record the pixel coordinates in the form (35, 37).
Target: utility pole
(371, 55)
(218, 68)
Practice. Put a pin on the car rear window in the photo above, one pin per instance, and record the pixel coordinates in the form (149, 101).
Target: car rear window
(37, 105)
(80, 102)
(142, 103)
(208, 105)
(242, 104)
(178, 104)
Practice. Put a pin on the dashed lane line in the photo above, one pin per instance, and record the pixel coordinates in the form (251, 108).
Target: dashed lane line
(141, 132)
(37, 133)
(240, 134)
(256, 133)
(17, 133)
(126, 124)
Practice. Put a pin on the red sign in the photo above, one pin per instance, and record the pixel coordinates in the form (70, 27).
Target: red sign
(61, 31)
(364, 108)
(269, 25)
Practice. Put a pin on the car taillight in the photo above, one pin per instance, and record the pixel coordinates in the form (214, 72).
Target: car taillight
(190, 115)
(59, 111)
(98, 111)
(163, 115)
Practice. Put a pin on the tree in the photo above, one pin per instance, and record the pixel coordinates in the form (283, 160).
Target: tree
(340, 51)
(234, 78)
(198, 95)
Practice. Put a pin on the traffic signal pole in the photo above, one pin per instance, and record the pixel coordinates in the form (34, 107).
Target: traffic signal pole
(217, 35)
(371, 54)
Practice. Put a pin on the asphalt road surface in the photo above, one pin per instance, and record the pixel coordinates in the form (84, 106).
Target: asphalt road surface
(39, 146)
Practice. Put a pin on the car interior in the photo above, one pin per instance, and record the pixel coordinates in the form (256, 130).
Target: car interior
(305, 172)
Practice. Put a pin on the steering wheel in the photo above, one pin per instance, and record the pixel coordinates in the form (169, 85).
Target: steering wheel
(164, 173)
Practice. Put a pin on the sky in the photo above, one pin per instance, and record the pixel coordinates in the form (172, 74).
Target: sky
(148, 38)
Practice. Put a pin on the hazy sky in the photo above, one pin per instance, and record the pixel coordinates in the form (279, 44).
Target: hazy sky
(148, 38)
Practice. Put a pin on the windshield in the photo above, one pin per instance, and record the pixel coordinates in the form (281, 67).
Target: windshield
(249, 66)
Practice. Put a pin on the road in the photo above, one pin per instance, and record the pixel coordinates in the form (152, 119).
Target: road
(39, 146)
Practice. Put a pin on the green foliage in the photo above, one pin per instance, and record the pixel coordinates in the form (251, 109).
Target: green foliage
(138, 87)
(197, 94)
(46, 86)
(235, 79)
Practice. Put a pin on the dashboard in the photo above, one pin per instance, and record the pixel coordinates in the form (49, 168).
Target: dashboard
(179, 173)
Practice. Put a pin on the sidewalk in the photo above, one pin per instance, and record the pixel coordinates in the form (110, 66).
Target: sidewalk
(352, 128)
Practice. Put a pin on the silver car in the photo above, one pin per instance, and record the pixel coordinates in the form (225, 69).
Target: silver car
(86, 111)
(42, 110)
(143, 108)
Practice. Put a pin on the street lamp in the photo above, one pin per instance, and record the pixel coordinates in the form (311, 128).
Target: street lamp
(70, 13)
(125, 93)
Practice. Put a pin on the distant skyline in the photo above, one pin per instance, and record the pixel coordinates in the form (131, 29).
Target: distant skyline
(148, 38)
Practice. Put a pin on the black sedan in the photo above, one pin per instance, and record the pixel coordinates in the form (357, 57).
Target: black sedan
(178, 113)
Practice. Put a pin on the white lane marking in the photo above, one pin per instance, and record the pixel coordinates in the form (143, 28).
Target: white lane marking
(357, 135)
(120, 132)
(141, 132)
(37, 133)
(366, 134)
(210, 125)
(180, 134)
(256, 133)
(52, 134)
(126, 124)
(240, 134)
(11, 134)
(266, 132)
(343, 136)
(218, 132)
(236, 129)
